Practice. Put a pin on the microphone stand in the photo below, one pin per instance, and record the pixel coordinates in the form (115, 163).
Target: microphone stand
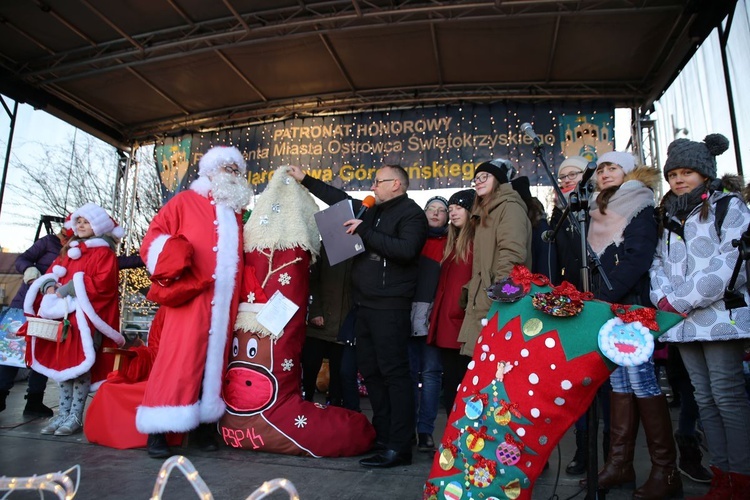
(576, 213)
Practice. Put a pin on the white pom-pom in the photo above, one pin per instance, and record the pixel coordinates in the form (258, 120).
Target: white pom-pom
(484, 321)
(59, 271)
(74, 253)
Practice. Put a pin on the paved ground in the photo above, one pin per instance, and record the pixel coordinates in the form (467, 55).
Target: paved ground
(233, 474)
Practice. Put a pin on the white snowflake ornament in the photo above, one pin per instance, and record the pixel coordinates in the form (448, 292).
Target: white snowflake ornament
(285, 279)
(287, 365)
(300, 421)
(251, 297)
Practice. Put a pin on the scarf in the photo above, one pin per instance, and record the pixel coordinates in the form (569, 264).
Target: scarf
(607, 229)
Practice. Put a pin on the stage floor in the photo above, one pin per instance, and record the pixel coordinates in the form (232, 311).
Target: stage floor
(234, 474)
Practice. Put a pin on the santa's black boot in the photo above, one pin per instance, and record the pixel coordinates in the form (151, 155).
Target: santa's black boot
(157, 446)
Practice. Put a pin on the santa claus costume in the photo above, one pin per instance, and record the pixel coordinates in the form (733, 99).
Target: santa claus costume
(80, 290)
(192, 250)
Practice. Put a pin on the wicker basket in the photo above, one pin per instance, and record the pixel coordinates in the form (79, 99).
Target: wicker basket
(43, 328)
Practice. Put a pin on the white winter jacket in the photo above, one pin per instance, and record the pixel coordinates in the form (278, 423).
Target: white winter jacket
(693, 273)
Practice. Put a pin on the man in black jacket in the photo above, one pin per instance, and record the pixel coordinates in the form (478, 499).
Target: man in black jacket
(384, 279)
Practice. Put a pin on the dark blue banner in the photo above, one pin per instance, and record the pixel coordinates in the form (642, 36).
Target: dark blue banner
(438, 146)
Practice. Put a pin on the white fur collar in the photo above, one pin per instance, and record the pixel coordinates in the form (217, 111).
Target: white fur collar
(202, 186)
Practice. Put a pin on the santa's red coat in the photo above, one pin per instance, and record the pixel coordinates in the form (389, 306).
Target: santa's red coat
(184, 388)
(96, 305)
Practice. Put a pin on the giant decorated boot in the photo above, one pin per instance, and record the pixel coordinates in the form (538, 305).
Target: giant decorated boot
(535, 370)
(265, 408)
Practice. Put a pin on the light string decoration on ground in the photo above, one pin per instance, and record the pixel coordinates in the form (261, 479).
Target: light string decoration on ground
(57, 483)
(191, 474)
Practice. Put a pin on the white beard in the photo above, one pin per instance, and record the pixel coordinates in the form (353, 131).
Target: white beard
(231, 191)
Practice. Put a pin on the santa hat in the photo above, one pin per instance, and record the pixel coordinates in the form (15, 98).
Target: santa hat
(218, 157)
(101, 222)
(252, 298)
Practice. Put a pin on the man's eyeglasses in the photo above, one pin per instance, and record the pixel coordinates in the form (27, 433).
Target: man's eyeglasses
(436, 210)
(481, 177)
(378, 182)
(232, 169)
(569, 176)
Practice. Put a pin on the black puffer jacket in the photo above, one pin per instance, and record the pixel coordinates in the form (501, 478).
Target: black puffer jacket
(394, 232)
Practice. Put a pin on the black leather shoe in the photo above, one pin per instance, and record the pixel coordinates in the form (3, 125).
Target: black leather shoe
(205, 437)
(386, 459)
(425, 443)
(157, 446)
(379, 446)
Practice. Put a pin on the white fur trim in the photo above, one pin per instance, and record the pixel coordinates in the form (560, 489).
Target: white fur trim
(59, 271)
(157, 419)
(227, 261)
(202, 186)
(248, 307)
(54, 307)
(248, 321)
(154, 251)
(34, 289)
(89, 354)
(293, 226)
(219, 156)
(85, 304)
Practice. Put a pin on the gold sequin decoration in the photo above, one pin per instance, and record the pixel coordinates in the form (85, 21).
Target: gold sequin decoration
(532, 327)
(513, 489)
(502, 417)
(446, 460)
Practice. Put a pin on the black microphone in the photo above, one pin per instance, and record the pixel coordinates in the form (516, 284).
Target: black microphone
(368, 202)
(527, 129)
(588, 173)
(548, 236)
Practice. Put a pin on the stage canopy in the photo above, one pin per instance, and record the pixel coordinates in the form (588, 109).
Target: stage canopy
(137, 70)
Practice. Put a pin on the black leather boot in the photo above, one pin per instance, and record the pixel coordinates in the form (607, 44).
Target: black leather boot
(157, 446)
(577, 466)
(35, 406)
(204, 437)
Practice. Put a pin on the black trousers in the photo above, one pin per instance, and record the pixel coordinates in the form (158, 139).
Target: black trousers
(383, 358)
(313, 353)
(454, 369)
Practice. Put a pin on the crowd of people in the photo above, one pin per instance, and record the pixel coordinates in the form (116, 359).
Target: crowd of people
(411, 319)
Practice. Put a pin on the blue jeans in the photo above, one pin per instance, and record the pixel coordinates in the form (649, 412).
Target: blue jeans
(639, 380)
(426, 374)
(715, 370)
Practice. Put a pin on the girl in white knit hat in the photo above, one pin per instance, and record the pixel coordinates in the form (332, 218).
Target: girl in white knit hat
(81, 291)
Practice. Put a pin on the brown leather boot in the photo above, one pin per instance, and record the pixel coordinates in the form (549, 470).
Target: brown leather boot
(664, 480)
(618, 470)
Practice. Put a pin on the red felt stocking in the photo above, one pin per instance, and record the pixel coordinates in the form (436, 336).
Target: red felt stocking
(265, 409)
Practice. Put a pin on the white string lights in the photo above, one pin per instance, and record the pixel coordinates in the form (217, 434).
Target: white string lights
(58, 483)
(191, 474)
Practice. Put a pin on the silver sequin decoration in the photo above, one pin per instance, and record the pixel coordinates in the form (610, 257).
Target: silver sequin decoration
(263, 220)
(542, 440)
(508, 335)
(287, 180)
(586, 381)
(276, 208)
(528, 464)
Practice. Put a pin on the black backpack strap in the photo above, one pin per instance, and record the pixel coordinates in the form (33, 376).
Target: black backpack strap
(722, 207)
